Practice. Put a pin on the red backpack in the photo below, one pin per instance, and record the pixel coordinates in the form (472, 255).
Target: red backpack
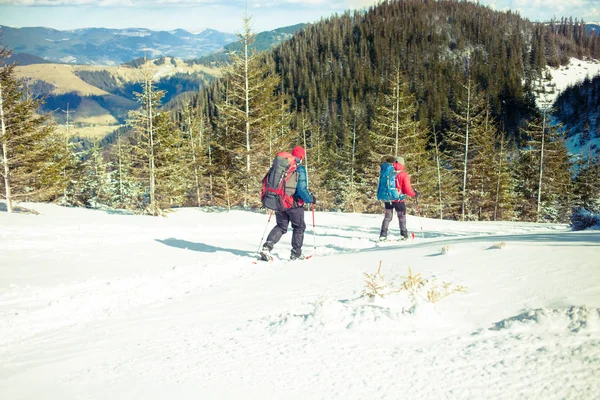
(279, 184)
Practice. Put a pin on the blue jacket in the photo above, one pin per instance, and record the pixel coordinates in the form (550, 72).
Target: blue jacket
(301, 187)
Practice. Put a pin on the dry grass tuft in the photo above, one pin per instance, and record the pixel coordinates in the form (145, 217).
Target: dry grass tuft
(445, 249)
(414, 284)
(437, 292)
(499, 245)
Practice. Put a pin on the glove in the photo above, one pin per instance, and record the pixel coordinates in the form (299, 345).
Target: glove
(416, 193)
(314, 198)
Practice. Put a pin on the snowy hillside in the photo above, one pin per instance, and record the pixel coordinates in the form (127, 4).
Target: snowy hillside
(571, 75)
(102, 305)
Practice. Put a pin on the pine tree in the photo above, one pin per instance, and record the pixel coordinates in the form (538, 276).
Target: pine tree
(444, 186)
(251, 110)
(505, 197)
(355, 190)
(172, 166)
(145, 138)
(471, 146)
(91, 189)
(586, 187)
(123, 189)
(458, 141)
(394, 121)
(30, 165)
(484, 172)
(544, 173)
(194, 128)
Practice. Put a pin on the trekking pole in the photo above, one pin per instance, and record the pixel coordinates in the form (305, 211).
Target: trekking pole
(314, 232)
(263, 235)
(419, 212)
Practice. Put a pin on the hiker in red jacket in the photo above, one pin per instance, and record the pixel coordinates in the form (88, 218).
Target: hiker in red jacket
(293, 215)
(403, 185)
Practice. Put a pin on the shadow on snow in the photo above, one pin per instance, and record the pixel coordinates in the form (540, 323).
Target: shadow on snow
(202, 247)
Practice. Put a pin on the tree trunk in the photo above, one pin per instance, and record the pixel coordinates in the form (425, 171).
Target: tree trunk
(397, 128)
(247, 106)
(9, 207)
(120, 157)
(464, 188)
(68, 122)
(305, 148)
(193, 143)
(352, 166)
(539, 196)
(210, 177)
(151, 141)
(498, 182)
(439, 174)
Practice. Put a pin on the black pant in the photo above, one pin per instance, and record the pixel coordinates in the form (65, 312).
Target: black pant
(296, 217)
(400, 208)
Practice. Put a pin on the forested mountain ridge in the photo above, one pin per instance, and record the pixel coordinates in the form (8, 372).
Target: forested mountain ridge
(332, 66)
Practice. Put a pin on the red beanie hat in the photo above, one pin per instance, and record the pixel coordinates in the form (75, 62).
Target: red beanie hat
(299, 152)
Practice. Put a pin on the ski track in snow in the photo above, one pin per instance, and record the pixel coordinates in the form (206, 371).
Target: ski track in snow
(115, 306)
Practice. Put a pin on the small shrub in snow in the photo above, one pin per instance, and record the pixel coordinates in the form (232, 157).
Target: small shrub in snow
(499, 245)
(445, 249)
(414, 285)
(583, 219)
(376, 284)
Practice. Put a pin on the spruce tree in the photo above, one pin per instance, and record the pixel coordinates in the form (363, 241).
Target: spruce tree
(586, 187)
(123, 188)
(92, 188)
(471, 150)
(251, 110)
(543, 173)
(446, 191)
(194, 129)
(31, 150)
(158, 163)
(505, 197)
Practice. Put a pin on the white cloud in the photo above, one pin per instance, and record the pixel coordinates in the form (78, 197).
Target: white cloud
(105, 2)
(544, 10)
(361, 3)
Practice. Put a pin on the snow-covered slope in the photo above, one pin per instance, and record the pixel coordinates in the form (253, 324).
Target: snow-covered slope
(99, 305)
(567, 75)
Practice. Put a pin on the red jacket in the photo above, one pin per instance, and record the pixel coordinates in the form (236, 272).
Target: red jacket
(403, 181)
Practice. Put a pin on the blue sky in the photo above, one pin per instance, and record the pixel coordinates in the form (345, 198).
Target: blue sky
(225, 15)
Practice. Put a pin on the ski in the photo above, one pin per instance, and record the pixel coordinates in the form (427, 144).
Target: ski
(411, 237)
(274, 259)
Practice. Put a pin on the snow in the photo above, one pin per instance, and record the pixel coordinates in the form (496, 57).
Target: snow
(100, 304)
(570, 75)
(563, 77)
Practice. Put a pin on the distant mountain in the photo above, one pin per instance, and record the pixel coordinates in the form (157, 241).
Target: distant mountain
(263, 41)
(111, 46)
(23, 59)
(268, 39)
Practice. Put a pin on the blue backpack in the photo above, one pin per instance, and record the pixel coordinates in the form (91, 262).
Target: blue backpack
(386, 190)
